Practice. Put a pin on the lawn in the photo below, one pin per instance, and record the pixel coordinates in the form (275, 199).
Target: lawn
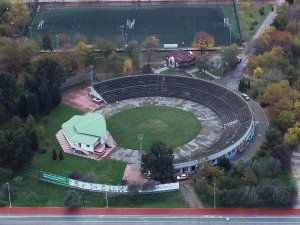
(250, 19)
(108, 171)
(50, 195)
(171, 71)
(172, 24)
(174, 127)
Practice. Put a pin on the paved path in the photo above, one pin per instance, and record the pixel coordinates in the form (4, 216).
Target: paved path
(191, 71)
(296, 172)
(190, 196)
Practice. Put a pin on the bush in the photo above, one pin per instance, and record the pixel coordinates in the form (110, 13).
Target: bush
(18, 180)
(266, 167)
(32, 196)
(262, 11)
(72, 200)
(5, 174)
(249, 196)
(283, 155)
(229, 197)
(201, 186)
(54, 154)
(254, 23)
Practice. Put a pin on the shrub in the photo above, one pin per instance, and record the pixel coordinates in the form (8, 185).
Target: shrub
(283, 155)
(18, 180)
(43, 150)
(249, 196)
(54, 154)
(266, 166)
(201, 186)
(60, 156)
(2, 203)
(72, 200)
(262, 11)
(229, 197)
(254, 23)
(146, 69)
(32, 196)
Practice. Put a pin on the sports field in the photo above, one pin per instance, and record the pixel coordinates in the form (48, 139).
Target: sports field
(171, 24)
(173, 126)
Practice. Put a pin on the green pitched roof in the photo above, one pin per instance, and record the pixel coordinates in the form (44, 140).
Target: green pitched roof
(85, 129)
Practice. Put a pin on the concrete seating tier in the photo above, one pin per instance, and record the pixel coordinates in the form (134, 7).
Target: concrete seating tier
(230, 107)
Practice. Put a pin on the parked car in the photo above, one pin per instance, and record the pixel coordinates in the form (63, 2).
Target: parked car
(182, 177)
(98, 101)
(246, 97)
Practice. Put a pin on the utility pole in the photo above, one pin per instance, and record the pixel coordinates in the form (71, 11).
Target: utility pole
(106, 199)
(230, 28)
(214, 195)
(8, 190)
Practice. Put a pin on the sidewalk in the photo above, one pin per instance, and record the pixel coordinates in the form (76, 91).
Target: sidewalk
(191, 71)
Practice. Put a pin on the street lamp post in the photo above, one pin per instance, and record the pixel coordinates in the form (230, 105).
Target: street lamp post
(8, 190)
(13, 30)
(56, 41)
(230, 28)
(140, 138)
(106, 199)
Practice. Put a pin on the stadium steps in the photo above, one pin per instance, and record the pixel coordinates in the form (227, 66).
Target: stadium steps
(63, 141)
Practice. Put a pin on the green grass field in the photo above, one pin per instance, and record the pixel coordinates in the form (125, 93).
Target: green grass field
(174, 127)
(170, 24)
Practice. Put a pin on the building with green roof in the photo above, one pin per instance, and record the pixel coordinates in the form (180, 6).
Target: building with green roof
(87, 133)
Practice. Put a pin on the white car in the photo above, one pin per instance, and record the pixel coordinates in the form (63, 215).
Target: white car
(98, 101)
(182, 177)
(246, 97)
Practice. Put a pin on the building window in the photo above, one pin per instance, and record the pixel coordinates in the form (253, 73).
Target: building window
(87, 146)
(79, 144)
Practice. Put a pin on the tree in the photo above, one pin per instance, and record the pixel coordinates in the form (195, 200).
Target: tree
(149, 44)
(22, 106)
(283, 154)
(106, 47)
(285, 120)
(203, 40)
(258, 72)
(72, 200)
(203, 63)
(32, 104)
(249, 178)
(280, 96)
(45, 100)
(34, 140)
(55, 95)
(274, 137)
(292, 136)
(78, 38)
(229, 56)
(114, 63)
(54, 154)
(159, 162)
(280, 21)
(272, 75)
(61, 156)
(49, 69)
(224, 163)
(47, 43)
(15, 146)
(132, 51)
(127, 67)
(8, 90)
(63, 40)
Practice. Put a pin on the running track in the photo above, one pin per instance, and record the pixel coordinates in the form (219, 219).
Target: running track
(150, 211)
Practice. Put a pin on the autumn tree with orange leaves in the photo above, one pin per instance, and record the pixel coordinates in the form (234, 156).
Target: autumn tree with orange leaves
(203, 40)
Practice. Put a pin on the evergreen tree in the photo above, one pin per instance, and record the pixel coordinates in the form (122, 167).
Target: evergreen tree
(32, 104)
(61, 156)
(45, 100)
(22, 106)
(54, 154)
(34, 140)
(47, 43)
(55, 94)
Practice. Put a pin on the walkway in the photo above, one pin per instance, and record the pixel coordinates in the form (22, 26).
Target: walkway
(296, 172)
(190, 196)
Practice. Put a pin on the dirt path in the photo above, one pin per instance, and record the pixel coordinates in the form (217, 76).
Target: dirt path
(190, 196)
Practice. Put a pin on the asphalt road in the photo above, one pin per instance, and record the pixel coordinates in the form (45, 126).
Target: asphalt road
(145, 220)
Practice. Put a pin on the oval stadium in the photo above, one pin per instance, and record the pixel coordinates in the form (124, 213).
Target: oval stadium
(227, 118)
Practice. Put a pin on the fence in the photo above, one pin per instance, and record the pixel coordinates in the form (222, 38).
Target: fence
(70, 82)
(93, 187)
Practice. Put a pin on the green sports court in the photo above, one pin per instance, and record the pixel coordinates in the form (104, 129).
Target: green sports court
(171, 24)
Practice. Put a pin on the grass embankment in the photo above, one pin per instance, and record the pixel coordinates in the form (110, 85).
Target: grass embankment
(174, 127)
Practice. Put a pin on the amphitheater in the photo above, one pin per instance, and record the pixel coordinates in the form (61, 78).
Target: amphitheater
(226, 115)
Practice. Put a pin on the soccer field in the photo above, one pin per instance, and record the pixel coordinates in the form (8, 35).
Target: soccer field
(172, 24)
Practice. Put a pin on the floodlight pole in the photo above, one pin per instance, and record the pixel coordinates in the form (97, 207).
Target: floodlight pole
(230, 34)
(8, 190)
(91, 68)
(140, 138)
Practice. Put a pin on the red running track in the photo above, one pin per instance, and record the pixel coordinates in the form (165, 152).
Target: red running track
(150, 211)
